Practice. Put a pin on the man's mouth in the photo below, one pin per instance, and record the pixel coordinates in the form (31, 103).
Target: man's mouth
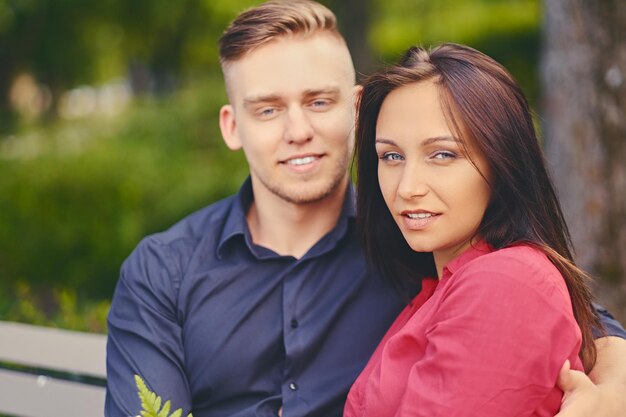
(301, 161)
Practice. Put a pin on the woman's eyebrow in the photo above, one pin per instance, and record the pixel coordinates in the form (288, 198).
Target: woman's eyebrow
(425, 142)
(435, 139)
(385, 141)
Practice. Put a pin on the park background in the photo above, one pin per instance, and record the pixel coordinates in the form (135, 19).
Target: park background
(109, 129)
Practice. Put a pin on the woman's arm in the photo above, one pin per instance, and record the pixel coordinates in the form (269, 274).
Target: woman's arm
(602, 393)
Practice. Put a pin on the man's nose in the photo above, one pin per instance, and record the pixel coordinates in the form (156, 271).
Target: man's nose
(298, 127)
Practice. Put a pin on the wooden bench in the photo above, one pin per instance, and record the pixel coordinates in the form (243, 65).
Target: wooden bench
(47, 372)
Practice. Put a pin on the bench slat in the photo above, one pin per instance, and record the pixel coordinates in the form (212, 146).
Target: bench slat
(34, 396)
(56, 349)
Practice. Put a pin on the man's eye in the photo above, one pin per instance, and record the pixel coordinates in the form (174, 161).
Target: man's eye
(319, 104)
(267, 112)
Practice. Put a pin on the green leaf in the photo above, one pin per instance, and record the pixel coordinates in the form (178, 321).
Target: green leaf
(157, 404)
(165, 411)
(151, 403)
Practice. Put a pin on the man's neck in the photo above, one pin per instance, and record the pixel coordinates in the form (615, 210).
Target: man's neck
(292, 229)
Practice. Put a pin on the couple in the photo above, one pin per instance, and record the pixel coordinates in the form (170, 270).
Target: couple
(263, 304)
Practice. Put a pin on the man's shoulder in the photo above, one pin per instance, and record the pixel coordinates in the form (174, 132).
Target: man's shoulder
(172, 248)
(197, 225)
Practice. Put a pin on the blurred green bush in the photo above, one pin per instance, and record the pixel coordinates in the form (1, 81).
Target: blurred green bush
(76, 197)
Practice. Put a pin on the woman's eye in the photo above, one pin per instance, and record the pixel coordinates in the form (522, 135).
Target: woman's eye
(441, 155)
(391, 156)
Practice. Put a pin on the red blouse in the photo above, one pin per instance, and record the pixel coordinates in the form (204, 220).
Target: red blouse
(488, 339)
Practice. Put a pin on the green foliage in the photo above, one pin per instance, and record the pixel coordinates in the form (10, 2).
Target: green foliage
(401, 24)
(151, 403)
(56, 307)
(507, 30)
(75, 199)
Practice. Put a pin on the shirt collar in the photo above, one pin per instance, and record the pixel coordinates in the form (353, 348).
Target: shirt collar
(349, 204)
(236, 224)
(344, 226)
(474, 251)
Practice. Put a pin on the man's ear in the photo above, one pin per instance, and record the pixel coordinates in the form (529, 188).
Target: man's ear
(358, 91)
(228, 126)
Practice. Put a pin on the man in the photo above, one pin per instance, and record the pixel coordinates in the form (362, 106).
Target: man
(262, 303)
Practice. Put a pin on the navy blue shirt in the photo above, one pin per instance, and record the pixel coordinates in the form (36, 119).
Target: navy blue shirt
(223, 327)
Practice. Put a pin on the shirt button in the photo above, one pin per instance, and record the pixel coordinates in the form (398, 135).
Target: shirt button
(294, 323)
(293, 386)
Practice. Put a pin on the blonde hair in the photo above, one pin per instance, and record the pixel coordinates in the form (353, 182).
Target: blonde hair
(260, 25)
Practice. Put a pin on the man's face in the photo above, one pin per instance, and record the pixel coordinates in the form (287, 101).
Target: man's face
(292, 112)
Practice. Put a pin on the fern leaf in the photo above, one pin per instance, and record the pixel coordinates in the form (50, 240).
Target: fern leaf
(144, 396)
(157, 406)
(141, 387)
(165, 411)
(151, 403)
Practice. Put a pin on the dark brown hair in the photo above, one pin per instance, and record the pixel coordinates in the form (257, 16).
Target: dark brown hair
(483, 103)
(259, 25)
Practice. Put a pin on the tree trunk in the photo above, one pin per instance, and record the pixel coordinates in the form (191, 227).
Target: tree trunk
(353, 17)
(584, 110)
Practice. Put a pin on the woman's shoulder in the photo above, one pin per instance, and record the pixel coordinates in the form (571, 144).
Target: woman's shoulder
(513, 260)
(520, 266)
(519, 254)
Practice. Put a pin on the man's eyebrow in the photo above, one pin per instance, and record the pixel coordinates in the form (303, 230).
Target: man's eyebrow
(321, 91)
(272, 98)
(267, 98)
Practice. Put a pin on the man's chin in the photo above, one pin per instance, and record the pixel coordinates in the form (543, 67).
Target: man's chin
(306, 193)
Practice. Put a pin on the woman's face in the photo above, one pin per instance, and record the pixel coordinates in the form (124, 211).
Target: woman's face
(433, 191)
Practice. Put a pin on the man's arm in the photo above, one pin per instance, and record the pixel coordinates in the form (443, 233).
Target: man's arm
(144, 336)
(601, 394)
(611, 327)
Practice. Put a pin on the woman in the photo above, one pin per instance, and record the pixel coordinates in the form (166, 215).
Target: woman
(452, 184)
